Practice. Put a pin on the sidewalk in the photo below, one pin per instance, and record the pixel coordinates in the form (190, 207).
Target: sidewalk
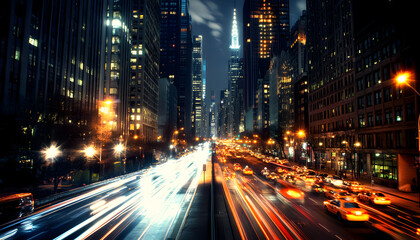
(197, 224)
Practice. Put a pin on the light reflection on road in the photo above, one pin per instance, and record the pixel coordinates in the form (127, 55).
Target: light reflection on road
(144, 206)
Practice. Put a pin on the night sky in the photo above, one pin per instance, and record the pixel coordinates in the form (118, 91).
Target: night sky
(213, 20)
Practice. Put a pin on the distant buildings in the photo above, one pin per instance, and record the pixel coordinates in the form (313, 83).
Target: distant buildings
(197, 117)
(176, 55)
(213, 116)
(236, 105)
(167, 109)
(266, 33)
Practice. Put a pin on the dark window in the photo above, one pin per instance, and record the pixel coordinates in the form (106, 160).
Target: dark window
(388, 116)
(378, 97)
(370, 119)
(387, 94)
(409, 112)
(378, 118)
(360, 102)
(369, 100)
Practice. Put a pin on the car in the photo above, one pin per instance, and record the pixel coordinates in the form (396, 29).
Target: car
(346, 210)
(353, 186)
(334, 194)
(374, 197)
(317, 188)
(265, 171)
(15, 206)
(228, 175)
(289, 178)
(247, 170)
(334, 180)
(289, 191)
(272, 176)
(237, 167)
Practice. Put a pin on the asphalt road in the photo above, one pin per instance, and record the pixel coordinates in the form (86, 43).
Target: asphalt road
(264, 214)
(150, 205)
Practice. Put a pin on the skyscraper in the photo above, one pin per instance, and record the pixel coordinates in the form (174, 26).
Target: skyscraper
(212, 117)
(197, 86)
(144, 62)
(50, 74)
(117, 67)
(176, 55)
(236, 110)
(266, 32)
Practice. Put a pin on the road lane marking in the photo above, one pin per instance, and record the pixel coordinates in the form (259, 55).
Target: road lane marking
(324, 227)
(398, 210)
(338, 237)
(313, 201)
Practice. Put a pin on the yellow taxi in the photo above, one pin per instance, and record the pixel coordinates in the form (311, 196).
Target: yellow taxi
(247, 171)
(353, 186)
(374, 198)
(347, 210)
(237, 167)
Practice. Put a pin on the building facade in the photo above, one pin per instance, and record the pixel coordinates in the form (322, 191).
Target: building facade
(144, 70)
(266, 33)
(235, 84)
(197, 114)
(176, 55)
(51, 70)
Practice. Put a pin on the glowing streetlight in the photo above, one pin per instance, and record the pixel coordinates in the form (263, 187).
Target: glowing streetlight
(301, 133)
(89, 151)
(119, 148)
(51, 152)
(357, 144)
(405, 78)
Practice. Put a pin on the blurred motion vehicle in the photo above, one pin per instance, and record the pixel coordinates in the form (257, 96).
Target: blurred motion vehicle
(337, 193)
(334, 180)
(377, 198)
(247, 170)
(289, 191)
(353, 186)
(228, 175)
(272, 176)
(265, 171)
(317, 188)
(15, 205)
(237, 167)
(346, 210)
(289, 178)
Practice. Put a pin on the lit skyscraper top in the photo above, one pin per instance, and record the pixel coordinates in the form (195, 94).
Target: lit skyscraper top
(235, 34)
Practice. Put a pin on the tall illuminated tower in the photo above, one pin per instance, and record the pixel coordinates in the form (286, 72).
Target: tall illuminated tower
(197, 86)
(235, 102)
(266, 33)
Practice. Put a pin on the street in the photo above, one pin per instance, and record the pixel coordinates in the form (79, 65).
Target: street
(260, 212)
(148, 205)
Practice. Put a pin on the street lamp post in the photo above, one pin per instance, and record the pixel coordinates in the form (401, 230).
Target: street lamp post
(404, 78)
(51, 153)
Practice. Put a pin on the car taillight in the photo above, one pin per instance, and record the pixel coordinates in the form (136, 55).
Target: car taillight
(294, 194)
(357, 213)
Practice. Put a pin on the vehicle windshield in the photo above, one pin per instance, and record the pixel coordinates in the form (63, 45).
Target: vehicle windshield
(344, 194)
(380, 194)
(350, 205)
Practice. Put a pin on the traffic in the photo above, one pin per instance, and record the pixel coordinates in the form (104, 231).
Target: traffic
(276, 197)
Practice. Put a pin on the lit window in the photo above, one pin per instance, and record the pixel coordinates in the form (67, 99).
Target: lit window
(33, 42)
